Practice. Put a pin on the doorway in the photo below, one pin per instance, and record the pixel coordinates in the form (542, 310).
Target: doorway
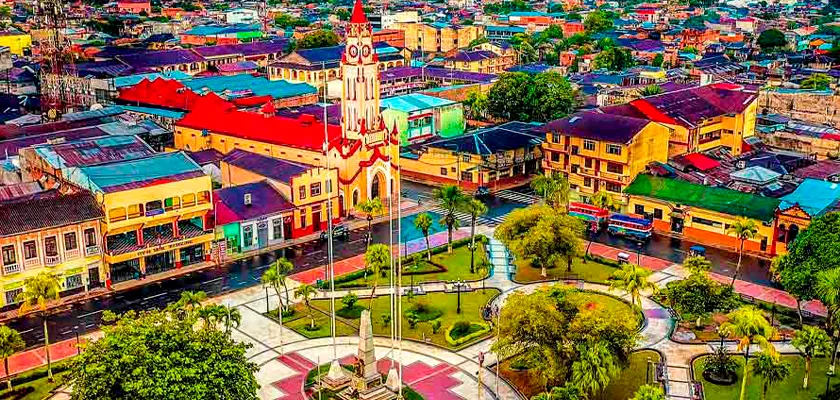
(677, 224)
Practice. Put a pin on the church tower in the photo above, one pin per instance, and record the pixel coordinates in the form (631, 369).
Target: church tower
(360, 72)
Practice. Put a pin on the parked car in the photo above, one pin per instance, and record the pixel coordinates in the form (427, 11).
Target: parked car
(339, 232)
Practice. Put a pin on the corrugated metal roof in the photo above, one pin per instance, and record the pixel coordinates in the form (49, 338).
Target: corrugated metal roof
(414, 102)
(158, 168)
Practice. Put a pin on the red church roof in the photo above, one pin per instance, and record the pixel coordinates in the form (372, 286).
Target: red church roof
(358, 16)
(170, 94)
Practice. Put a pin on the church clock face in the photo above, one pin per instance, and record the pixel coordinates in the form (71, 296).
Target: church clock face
(354, 51)
(365, 51)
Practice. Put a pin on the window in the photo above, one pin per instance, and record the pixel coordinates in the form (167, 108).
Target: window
(11, 295)
(466, 176)
(30, 251)
(116, 214)
(329, 186)
(302, 192)
(587, 163)
(247, 235)
(70, 242)
(188, 200)
(51, 246)
(203, 197)
(9, 255)
(453, 169)
(277, 229)
(90, 237)
(657, 213)
(73, 282)
(615, 168)
(639, 209)
(555, 156)
(589, 145)
(303, 219)
(555, 137)
(587, 182)
(575, 168)
(172, 203)
(614, 149)
(135, 210)
(574, 150)
(443, 171)
(315, 189)
(154, 207)
(466, 157)
(613, 187)
(703, 221)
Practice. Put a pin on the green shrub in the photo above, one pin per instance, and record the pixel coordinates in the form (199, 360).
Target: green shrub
(386, 319)
(349, 300)
(424, 312)
(436, 326)
(412, 319)
(478, 329)
(17, 393)
(460, 328)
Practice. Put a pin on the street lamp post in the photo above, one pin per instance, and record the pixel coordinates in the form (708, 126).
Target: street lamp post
(639, 253)
(78, 341)
(266, 303)
(458, 284)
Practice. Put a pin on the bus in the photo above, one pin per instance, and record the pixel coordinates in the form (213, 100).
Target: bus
(588, 213)
(633, 227)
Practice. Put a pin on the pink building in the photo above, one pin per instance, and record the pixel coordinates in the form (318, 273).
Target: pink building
(134, 6)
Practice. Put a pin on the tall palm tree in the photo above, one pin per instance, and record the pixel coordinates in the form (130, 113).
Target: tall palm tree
(750, 326)
(306, 292)
(743, 229)
(450, 197)
(377, 258)
(275, 276)
(602, 199)
(633, 279)
(812, 342)
(423, 222)
(828, 291)
(10, 343)
(595, 367)
(38, 292)
(771, 370)
(207, 315)
(229, 317)
(553, 188)
(475, 208)
(371, 208)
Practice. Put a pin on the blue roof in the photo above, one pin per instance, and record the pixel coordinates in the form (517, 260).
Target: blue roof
(414, 102)
(140, 172)
(160, 112)
(814, 196)
(209, 30)
(505, 28)
(230, 86)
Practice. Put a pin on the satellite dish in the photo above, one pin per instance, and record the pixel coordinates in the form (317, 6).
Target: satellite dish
(96, 106)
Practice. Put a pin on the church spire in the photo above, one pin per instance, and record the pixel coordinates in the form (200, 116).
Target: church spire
(358, 16)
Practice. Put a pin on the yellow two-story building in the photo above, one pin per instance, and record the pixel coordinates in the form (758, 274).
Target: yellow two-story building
(599, 151)
(437, 37)
(54, 233)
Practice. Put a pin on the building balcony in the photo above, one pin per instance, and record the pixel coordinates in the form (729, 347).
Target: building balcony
(615, 177)
(92, 250)
(31, 263)
(11, 268)
(52, 261)
(72, 254)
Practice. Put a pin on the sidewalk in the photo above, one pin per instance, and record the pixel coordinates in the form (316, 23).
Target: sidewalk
(31, 359)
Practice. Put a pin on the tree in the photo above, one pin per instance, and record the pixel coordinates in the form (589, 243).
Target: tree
(614, 59)
(650, 90)
(541, 235)
(602, 199)
(306, 292)
(475, 208)
(5, 13)
(649, 392)
(275, 276)
(750, 326)
(690, 50)
(698, 295)
(595, 368)
(596, 22)
(816, 81)
(697, 265)
(190, 301)
(553, 188)
(423, 222)
(156, 354)
(483, 268)
(38, 292)
(567, 392)
(550, 97)
(476, 105)
(812, 342)
(10, 343)
(451, 199)
(377, 257)
(815, 249)
(508, 97)
(743, 229)
(319, 38)
(771, 370)
(349, 300)
(371, 208)
(828, 291)
(771, 39)
(658, 60)
(633, 279)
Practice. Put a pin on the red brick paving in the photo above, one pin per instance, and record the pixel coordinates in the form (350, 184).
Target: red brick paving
(293, 385)
(35, 358)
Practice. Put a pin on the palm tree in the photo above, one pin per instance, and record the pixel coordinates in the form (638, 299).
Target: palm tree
(475, 208)
(377, 258)
(649, 392)
(602, 199)
(190, 301)
(554, 188)
(10, 343)
(828, 291)
(771, 370)
(450, 197)
(371, 208)
(650, 90)
(632, 279)
(424, 223)
(483, 268)
(275, 276)
(812, 342)
(697, 265)
(568, 392)
(595, 367)
(230, 317)
(207, 315)
(307, 291)
(38, 292)
(750, 326)
(743, 229)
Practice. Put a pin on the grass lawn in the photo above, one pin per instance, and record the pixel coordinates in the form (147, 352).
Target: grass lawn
(440, 306)
(607, 305)
(590, 271)
(619, 388)
(42, 386)
(789, 389)
(300, 322)
(457, 267)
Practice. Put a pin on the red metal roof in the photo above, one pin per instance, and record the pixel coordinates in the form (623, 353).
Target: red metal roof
(701, 162)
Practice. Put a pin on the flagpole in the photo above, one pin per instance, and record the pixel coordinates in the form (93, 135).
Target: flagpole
(331, 266)
(399, 269)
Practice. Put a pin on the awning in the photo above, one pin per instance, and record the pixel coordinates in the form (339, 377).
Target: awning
(701, 161)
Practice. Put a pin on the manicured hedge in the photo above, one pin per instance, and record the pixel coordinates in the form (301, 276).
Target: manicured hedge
(485, 327)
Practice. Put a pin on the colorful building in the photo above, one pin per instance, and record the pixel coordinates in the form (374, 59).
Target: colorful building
(221, 34)
(251, 217)
(602, 152)
(420, 117)
(134, 6)
(482, 61)
(56, 234)
(812, 198)
(704, 213)
(438, 37)
(16, 41)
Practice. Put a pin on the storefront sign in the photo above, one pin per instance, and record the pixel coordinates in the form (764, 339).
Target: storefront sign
(13, 285)
(169, 246)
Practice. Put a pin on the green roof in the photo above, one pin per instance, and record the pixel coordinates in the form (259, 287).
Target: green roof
(726, 201)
